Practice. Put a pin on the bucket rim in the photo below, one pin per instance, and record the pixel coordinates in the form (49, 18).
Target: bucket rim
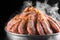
(30, 35)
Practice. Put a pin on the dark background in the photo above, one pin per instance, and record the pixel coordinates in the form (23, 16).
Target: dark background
(10, 7)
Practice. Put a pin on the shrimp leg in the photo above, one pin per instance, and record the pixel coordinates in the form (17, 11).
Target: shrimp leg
(54, 25)
(39, 28)
(12, 22)
(30, 26)
(45, 23)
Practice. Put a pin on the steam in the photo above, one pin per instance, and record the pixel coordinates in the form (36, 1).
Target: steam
(50, 10)
(46, 8)
(27, 4)
(53, 11)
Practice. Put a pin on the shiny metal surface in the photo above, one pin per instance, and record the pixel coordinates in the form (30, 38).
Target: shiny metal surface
(13, 36)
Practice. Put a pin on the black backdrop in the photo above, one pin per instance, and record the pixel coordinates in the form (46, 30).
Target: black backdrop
(10, 7)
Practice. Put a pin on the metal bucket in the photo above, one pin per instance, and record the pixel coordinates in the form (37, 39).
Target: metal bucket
(13, 36)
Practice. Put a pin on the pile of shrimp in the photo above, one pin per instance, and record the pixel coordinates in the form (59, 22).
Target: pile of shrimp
(33, 22)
